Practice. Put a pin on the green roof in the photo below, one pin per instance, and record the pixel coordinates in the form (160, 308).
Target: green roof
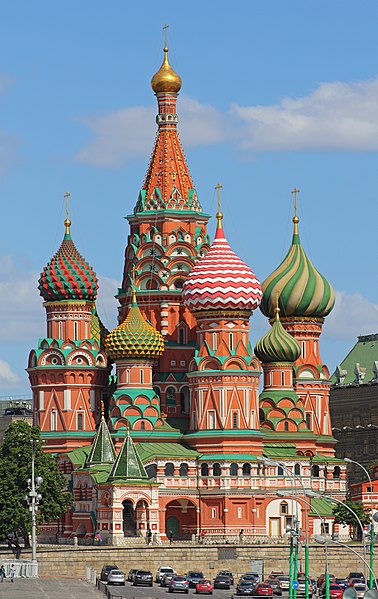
(79, 456)
(323, 506)
(364, 353)
(149, 451)
(280, 450)
(128, 465)
(102, 451)
(232, 457)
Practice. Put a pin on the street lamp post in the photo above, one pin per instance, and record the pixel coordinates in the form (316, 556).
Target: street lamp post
(33, 498)
(372, 534)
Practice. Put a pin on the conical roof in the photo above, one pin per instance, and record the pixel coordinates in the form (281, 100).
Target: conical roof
(135, 337)
(128, 464)
(277, 345)
(302, 290)
(67, 276)
(221, 280)
(102, 451)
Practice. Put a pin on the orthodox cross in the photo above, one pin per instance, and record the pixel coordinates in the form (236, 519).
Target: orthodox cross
(294, 192)
(67, 195)
(165, 29)
(219, 187)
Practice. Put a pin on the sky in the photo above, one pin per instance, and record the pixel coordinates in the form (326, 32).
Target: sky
(275, 95)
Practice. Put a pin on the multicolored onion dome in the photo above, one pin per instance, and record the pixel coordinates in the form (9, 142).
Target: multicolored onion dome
(134, 338)
(277, 345)
(221, 280)
(166, 80)
(68, 276)
(301, 289)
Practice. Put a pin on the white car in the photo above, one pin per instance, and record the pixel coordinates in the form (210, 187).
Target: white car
(162, 571)
(360, 589)
(116, 577)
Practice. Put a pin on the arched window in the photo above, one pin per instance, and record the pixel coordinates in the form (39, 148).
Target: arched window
(216, 469)
(80, 422)
(169, 469)
(308, 420)
(214, 341)
(179, 283)
(184, 400)
(181, 336)
(282, 379)
(315, 471)
(246, 469)
(142, 426)
(183, 469)
(233, 469)
(297, 469)
(286, 426)
(204, 469)
(284, 508)
(336, 472)
(170, 395)
(280, 471)
(151, 470)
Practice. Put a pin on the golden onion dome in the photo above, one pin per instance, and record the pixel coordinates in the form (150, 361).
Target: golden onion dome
(135, 337)
(166, 80)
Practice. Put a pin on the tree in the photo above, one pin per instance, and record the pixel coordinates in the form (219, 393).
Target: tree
(344, 516)
(16, 460)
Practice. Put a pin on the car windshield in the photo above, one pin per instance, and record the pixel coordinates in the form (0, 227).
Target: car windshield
(245, 583)
(179, 578)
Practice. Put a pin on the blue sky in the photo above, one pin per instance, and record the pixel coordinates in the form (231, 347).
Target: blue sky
(275, 95)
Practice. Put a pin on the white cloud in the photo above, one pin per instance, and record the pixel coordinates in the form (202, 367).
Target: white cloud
(352, 315)
(125, 134)
(22, 316)
(7, 376)
(336, 116)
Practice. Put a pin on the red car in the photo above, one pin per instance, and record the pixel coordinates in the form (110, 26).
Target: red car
(204, 586)
(336, 591)
(263, 590)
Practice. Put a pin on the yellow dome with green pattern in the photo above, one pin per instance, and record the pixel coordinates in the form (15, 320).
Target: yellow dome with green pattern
(135, 337)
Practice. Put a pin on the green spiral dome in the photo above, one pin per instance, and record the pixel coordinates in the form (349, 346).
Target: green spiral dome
(301, 289)
(134, 338)
(277, 345)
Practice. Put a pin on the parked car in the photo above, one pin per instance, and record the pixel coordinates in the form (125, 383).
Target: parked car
(353, 581)
(222, 582)
(250, 578)
(276, 585)
(166, 579)
(360, 588)
(179, 583)
(263, 590)
(194, 577)
(301, 590)
(321, 580)
(130, 576)
(105, 571)
(285, 581)
(245, 587)
(342, 582)
(358, 575)
(227, 573)
(142, 577)
(162, 570)
(336, 591)
(204, 586)
(116, 577)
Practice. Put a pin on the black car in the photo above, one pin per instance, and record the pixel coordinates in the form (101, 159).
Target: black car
(245, 587)
(105, 571)
(227, 573)
(222, 582)
(194, 577)
(142, 577)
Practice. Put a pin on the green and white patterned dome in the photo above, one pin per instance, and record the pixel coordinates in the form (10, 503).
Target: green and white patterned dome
(277, 345)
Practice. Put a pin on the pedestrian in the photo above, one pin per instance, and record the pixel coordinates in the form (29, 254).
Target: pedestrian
(2, 572)
(203, 535)
(12, 572)
(148, 536)
(170, 537)
(241, 535)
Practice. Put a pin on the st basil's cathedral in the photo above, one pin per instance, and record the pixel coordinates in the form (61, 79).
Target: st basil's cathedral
(159, 425)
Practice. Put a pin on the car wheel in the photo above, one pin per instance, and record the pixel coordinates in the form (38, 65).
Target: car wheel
(151, 584)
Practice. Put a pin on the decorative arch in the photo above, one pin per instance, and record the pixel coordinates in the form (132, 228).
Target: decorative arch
(210, 364)
(235, 364)
(287, 425)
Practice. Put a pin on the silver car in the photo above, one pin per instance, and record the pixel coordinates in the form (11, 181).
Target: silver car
(116, 577)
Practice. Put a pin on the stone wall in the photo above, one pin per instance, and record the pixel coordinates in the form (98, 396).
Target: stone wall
(71, 562)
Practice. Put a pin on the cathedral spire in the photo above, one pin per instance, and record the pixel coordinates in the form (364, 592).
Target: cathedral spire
(168, 184)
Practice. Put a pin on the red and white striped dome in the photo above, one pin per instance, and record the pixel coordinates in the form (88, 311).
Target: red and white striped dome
(221, 280)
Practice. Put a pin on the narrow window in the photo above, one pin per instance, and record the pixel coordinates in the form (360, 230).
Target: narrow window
(286, 426)
(282, 379)
(235, 420)
(280, 471)
(182, 336)
(214, 341)
(127, 376)
(233, 469)
(297, 469)
(60, 330)
(204, 470)
(211, 419)
(216, 469)
(53, 421)
(231, 341)
(213, 512)
(240, 512)
(80, 422)
(246, 469)
(284, 508)
(169, 469)
(141, 377)
(303, 349)
(76, 330)
(308, 420)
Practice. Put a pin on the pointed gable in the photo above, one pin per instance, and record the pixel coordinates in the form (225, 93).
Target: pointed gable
(102, 451)
(128, 465)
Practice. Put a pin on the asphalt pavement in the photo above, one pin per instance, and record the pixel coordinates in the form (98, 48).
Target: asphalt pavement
(39, 588)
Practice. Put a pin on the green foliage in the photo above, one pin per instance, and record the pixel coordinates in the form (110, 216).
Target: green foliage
(344, 516)
(16, 467)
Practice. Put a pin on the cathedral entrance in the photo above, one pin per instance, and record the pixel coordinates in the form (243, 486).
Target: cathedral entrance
(128, 518)
(181, 519)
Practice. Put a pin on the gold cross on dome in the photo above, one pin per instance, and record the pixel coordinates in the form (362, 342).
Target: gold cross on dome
(165, 29)
(67, 195)
(294, 192)
(219, 187)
